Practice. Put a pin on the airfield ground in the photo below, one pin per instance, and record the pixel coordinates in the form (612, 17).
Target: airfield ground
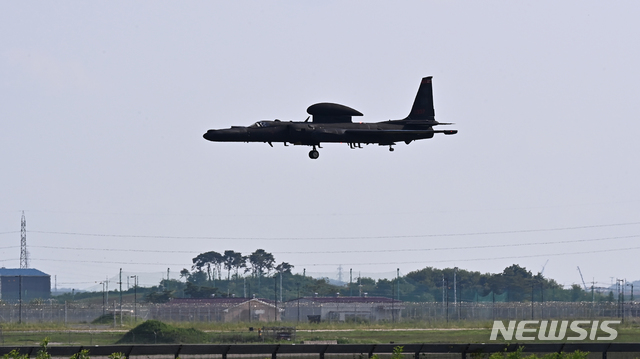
(466, 332)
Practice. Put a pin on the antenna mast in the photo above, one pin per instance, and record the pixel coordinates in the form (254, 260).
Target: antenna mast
(24, 256)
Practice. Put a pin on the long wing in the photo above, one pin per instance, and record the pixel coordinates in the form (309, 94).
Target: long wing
(398, 132)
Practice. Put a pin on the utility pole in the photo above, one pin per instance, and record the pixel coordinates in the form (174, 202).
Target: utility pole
(135, 298)
(275, 295)
(493, 307)
(298, 285)
(398, 283)
(351, 282)
(103, 299)
(120, 282)
(542, 298)
(447, 301)
(459, 303)
(106, 302)
(531, 300)
(623, 284)
(618, 298)
(393, 312)
(281, 286)
(593, 296)
(443, 291)
(620, 289)
(20, 299)
(455, 289)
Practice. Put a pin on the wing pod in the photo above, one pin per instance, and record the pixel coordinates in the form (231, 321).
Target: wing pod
(332, 113)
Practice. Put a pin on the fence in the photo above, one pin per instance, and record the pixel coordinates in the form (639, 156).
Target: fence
(363, 350)
(518, 310)
(74, 312)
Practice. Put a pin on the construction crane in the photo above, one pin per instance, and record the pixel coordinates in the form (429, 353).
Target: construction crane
(583, 283)
(543, 267)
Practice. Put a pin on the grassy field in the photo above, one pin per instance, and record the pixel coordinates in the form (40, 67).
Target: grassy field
(406, 332)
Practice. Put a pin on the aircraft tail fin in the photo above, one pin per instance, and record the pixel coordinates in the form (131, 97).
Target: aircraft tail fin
(423, 105)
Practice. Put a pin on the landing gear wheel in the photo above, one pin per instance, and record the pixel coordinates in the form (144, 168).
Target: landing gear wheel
(314, 154)
(391, 149)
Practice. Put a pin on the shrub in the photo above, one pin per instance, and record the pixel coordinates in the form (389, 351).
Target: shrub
(154, 331)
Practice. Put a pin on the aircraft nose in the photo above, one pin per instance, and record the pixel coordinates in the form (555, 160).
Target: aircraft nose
(210, 135)
(227, 135)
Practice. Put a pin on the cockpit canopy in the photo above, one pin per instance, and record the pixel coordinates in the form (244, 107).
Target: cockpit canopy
(260, 124)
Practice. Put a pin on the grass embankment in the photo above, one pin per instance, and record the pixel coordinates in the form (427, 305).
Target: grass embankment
(156, 332)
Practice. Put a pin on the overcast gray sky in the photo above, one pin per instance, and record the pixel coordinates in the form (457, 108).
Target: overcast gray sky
(103, 106)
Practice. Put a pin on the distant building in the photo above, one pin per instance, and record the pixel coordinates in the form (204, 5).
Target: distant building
(219, 310)
(342, 309)
(34, 284)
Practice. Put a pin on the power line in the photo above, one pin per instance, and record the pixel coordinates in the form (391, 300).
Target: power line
(460, 248)
(352, 251)
(114, 249)
(339, 238)
(108, 262)
(376, 263)
(482, 259)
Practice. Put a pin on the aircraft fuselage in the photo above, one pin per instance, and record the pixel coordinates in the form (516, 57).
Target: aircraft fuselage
(309, 133)
(333, 123)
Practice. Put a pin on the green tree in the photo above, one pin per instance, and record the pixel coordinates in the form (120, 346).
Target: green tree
(196, 291)
(284, 267)
(261, 262)
(233, 260)
(518, 281)
(172, 284)
(209, 260)
(198, 278)
(577, 293)
(159, 297)
(184, 273)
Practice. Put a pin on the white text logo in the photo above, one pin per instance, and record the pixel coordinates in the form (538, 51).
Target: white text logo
(554, 330)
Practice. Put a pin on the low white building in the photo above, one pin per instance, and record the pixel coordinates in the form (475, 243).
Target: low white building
(343, 309)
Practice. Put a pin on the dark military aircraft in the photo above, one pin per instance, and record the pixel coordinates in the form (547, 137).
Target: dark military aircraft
(332, 123)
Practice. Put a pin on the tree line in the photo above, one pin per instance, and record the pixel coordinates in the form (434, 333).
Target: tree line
(233, 274)
(209, 264)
